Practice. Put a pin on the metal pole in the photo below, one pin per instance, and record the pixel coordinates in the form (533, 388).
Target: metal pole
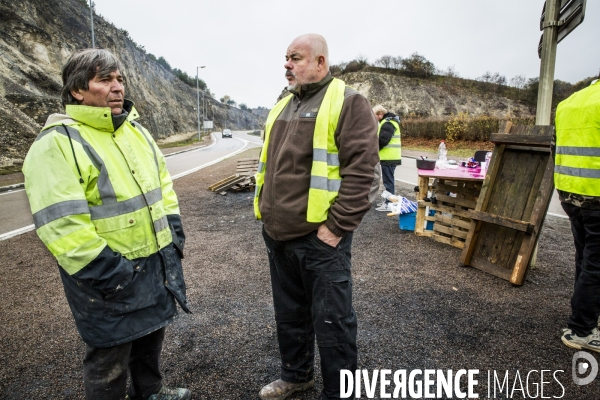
(92, 21)
(546, 84)
(198, 101)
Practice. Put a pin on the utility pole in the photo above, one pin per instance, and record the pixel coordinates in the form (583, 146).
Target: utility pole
(92, 22)
(198, 101)
(547, 66)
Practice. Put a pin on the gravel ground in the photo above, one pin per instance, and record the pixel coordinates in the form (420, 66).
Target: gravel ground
(417, 308)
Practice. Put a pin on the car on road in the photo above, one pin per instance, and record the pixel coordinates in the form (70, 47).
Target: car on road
(226, 133)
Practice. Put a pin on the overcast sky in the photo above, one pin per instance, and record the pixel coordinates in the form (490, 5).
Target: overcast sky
(242, 43)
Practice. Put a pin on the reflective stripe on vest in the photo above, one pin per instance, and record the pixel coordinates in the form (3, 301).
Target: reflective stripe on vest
(577, 159)
(325, 177)
(393, 150)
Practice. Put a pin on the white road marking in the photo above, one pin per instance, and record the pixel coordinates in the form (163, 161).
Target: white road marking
(17, 232)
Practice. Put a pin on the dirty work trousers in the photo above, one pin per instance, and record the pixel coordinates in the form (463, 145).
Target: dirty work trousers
(312, 296)
(387, 174)
(105, 369)
(585, 303)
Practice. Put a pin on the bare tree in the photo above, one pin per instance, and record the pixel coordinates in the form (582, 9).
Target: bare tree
(362, 60)
(385, 61)
(418, 66)
(451, 72)
(518, 81)
(493, 78)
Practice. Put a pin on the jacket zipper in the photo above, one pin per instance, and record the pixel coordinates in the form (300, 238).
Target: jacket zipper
(294, 121)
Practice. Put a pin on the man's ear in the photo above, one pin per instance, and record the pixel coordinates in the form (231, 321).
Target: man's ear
(320, 62)
(77, 95)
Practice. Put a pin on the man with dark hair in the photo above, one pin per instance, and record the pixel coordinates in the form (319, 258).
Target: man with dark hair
(389, 149)
(315, 171)
(103, 203)
(577, 179)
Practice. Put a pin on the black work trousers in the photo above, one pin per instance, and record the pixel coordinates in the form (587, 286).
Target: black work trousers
(387, 175)
(105, 369)
(312, 296)
(585, 303)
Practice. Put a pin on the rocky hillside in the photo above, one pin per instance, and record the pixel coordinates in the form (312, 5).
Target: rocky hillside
(36, 39)
(436, 97)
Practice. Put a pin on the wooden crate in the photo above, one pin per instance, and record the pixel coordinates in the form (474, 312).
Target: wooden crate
(513, 202)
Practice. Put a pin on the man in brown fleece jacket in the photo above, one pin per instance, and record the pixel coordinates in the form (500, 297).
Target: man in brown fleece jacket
(309, 252)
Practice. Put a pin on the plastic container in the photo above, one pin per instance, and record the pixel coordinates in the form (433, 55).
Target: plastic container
(407, 221)
(488, 159)
(442, 155)
(425, 164)
(429, 225)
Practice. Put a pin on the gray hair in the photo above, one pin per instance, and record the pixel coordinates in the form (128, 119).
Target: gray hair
(379, 109)
(82, 67)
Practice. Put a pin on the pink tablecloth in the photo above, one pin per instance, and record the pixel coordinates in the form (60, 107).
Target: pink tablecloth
(462, 173)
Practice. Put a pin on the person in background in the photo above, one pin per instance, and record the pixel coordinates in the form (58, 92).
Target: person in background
(389, 149)
(103, 203)
(314, 176)
(577, 179)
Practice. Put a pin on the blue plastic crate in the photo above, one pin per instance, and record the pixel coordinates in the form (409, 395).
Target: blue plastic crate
(407, 221)
(429, 225)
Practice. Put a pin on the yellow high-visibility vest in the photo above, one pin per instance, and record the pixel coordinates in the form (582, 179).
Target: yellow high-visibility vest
(325, 179)
(577, 159)
(393, 150)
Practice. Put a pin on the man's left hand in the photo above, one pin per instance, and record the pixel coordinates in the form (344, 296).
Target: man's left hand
(327, 237)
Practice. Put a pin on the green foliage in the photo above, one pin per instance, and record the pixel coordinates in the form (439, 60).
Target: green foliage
(152, 57)
(456, 126)
(161, 60)
(244, 107)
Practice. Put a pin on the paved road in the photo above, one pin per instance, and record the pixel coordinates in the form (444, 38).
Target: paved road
(15, 215)
(407, 172)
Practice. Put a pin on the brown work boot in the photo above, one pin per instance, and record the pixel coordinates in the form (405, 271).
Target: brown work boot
(279, 390)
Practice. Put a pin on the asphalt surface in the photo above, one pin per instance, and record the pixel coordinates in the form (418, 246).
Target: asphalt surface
(417, 309)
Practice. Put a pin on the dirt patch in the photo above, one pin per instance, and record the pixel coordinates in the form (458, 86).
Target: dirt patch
(11, 179)
(417, 308)
(179, 137)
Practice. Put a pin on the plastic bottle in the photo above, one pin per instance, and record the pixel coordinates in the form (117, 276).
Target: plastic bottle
(442, 156)
(488, 159)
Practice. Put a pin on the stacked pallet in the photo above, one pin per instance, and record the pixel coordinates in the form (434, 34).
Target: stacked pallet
(454, 200)
(242, 180)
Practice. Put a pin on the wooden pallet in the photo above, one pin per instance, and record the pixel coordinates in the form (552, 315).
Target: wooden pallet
(242, 180)
(247, 166)
(454, 200)
(513, 202)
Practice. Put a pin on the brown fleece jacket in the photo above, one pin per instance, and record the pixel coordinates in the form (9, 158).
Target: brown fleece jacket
(284, 197)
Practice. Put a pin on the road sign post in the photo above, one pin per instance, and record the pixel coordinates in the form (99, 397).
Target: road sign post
(559, 18)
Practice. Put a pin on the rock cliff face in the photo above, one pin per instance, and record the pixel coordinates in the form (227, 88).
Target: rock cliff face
(36, 39)
(430, 98)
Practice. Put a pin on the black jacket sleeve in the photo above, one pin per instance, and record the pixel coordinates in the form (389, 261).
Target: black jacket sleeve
(385, 134)
(177, 232)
